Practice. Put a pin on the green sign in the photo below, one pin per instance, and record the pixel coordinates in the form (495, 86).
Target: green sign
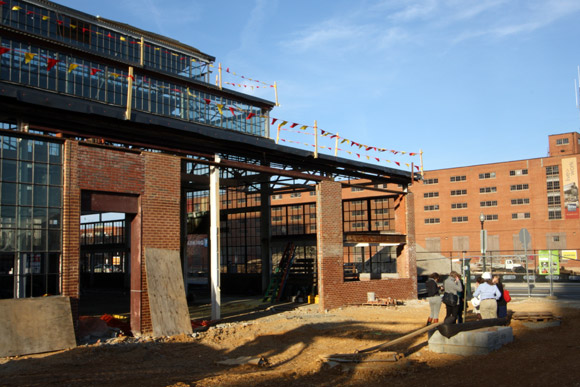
(544, 259)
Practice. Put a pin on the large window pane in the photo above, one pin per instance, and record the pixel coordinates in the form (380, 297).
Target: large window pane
(25, 149)
(55, 175)
(25, 172)
(7, 216)
(40, 199)
(54, 196)
(25, 195)
(40, 173)
(8, 170)
(9, 148)
(8, 195)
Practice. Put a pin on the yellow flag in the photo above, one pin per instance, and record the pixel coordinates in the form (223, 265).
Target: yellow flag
(16, 8)
(122, 39)
(72, 66)
(220, 106)
(28, 57)
(283, 123)
(303, 127)
(45, 18)
(73, 26)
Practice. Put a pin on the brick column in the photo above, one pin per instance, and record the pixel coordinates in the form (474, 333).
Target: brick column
(71, 227)
(329, 242)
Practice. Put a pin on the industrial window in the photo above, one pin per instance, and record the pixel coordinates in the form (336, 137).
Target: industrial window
(521, 201)
(518, 172)
(432, 220)
(519, 187)
(431, 181)
(458, 192)
(276, 219)
(491, 217)
(552, 170)
(433, 207)
(553, 185)
(554, 214)
(358, 212)
(459, 219)
(487, 175)
(367, 215)
(456, 206)
(455, 179)
(30, 217)
(356, 189)
(370, 259)
(488, 203)
(276, 197)
(554, 200)
(431, 195)
(484, 190)
(562, 141)
(295, 194)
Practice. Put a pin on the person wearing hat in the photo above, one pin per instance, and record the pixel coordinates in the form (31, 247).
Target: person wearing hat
(489, 294)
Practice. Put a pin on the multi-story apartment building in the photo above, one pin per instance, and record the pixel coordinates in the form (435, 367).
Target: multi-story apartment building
(454, 205)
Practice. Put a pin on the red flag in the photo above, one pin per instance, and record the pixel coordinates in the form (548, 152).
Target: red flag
(2, 3)
(293, 125)
(334, 136)
(250, 116)
(232, 110)
(4, 50)
(412, 154)
(207, 100)
(358, 155)
(95, 71)
(399, 164)
(50, 63)
(228, 70)
(59, 22)
(417, 167)
(322, 131)
(273, 120)
(376, 158)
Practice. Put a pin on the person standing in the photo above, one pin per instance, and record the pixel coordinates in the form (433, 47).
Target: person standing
(434, 297)
(452, 285)
(501, 303)
(475, 301)
(489, 294)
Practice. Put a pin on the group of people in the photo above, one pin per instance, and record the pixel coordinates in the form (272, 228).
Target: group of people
(488, 298)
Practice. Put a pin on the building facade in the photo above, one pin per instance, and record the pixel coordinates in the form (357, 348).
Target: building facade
(540, 195)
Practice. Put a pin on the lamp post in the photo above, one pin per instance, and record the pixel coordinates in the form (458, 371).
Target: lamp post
(483, 240)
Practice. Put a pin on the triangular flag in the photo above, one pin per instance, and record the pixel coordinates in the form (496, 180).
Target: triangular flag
(322, 132)
(228, 70)
(376, 158)
(220, 106)
(122, 39)
(45, 18)
(412, 154)
(303, 127)
(343, 141)
(294, 125)
(72, 66)
(233, 111)
(95, 71)
(28, 56)
(4, 50)
(273, 120)
(207, 101)
(16, 8)
(283, 123)
(399, 164)
(50, 63)
(250, 116)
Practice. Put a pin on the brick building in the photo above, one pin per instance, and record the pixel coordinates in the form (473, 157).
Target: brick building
(101, 117)
(537, 194)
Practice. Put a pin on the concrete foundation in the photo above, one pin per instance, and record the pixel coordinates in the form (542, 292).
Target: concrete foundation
(476, 342)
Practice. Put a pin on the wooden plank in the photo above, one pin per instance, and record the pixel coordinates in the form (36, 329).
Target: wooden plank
(167, 302)
(35, 325)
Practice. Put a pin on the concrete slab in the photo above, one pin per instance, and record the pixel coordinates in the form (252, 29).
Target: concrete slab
(35, 325)
(476, 342)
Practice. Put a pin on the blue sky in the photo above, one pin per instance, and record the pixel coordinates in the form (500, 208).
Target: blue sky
(468, 82)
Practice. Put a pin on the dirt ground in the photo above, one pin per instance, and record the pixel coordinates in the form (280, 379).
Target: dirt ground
(293, 338)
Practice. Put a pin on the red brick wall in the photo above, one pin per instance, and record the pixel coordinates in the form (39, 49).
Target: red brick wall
(332, 290)
(155, 177)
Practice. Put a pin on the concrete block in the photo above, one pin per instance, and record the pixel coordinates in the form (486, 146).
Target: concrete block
(476, 342)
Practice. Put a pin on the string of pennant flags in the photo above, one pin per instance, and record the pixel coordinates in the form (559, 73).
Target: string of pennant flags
(50, 63)
(138, 42)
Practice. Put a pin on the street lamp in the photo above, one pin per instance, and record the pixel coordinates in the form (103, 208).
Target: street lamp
(483, 239)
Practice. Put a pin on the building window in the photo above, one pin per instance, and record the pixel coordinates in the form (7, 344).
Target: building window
(521, 201)
(562, 141)
(552, 170)
(484, 190)
(553, 185)
(554, 200)
(556, 238)
(276, 219)
(295, 194)
(276, 197)
(487, 175)
(295, 217)
(519, 187)
(459, 219)
(427, 195)
(455, 179)
(491, 217)
(312, 193)
(383, 211)
(456, 206)
(431, 181)
(488, 203)
(458, 192)
(31, 217)
(554, 214)
(521, 215)
(518, 172)
(380, 186)
(358, 225)
(431, 220)
(356, 189)
(358, 212)
(434, 207)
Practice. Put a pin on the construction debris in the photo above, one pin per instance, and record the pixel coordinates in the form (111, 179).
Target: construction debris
(383, 302)
(252, 360)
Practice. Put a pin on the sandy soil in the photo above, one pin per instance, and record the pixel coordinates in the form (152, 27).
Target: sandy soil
(293, 341)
